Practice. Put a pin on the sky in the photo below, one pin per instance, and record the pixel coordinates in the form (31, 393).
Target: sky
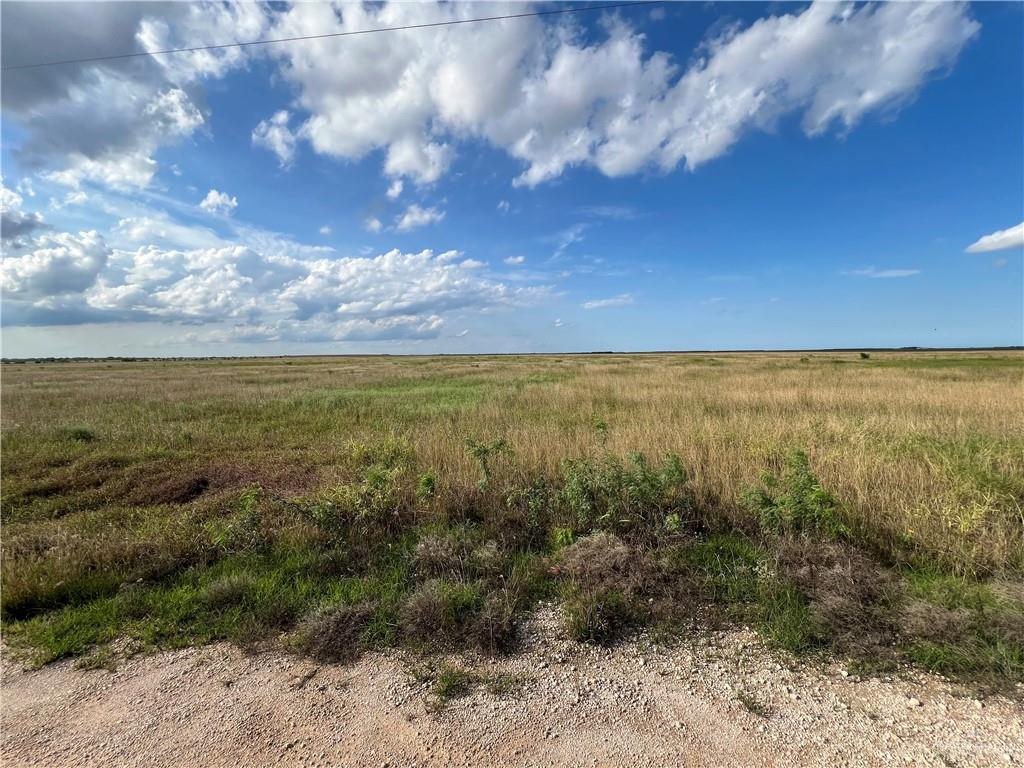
(662, 176)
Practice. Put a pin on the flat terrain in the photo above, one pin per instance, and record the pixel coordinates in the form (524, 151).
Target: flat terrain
(367, 518)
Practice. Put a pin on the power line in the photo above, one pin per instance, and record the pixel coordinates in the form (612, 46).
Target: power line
(453, 22)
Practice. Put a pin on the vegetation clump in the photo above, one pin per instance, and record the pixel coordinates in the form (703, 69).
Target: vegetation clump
(796, 502)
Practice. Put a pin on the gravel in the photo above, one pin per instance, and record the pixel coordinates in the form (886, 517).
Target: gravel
(716, 699)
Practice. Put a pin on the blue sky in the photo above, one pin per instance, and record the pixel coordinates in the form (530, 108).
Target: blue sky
(680, 176)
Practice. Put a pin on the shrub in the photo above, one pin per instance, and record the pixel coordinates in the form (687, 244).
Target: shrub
(374, 499)
(796, 502)
(80, 434)
(598, 616)
(439, 611)
(632, 497)
(531, 507)
(865, 356)
(460, 554)
(848, 594)
(334, 633)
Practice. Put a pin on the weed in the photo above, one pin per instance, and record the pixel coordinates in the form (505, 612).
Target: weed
(80, 434)
(753, 705)
(633, 498)
(483, 453)
(334, 633)
(598, 616)
(505, 684)
(426, 486)
(796, 502)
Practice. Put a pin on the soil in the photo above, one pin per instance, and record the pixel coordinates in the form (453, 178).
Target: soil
(716, 699)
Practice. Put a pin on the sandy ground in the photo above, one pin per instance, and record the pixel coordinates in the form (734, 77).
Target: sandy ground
(574, 705)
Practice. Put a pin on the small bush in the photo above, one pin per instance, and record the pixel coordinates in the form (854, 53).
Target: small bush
(865, 356)
(598, 616)
(439, 612)
(633, 497)
(80, 434)
(459, 554)
(849, 595)
(796, 502)
(334, 633)
(245, 532)
(597, 560)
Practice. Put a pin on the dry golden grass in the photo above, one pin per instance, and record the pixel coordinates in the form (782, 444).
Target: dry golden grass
(924, 450)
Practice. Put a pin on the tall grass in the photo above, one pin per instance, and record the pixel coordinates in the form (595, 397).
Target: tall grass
(121, 473)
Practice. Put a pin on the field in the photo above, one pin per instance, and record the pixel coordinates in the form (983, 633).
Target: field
(866, 506)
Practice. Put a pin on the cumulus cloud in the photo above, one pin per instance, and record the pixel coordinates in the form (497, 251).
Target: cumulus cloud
(998, 241)
(219, 203)
(246, 292)
(146, 102)
(621, 300)
(395, 189)
(882, 273)
(59, 263)
(415, 217)
(504, 206)
(554, 98)
(325, 230)
(275, 135)
(14, 222)
(515, 260)
(373, 224)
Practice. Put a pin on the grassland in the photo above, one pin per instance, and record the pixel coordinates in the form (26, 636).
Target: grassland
(869, 507)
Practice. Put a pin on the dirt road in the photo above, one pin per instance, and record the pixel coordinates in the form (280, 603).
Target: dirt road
(719, 700)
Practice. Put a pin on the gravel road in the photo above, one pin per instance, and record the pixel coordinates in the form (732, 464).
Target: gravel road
(718, 699)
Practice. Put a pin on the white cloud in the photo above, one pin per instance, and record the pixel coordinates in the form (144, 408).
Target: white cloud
(515, 260)
(415, 217)
(275, 135)
(559, 323)
(146, 103)
(998, 241)
(14, 222)
(554, 99)
(395, 189)
(325, 230)
(158, 227)
(219, 203)
(883, 273)
(269, 289)
(373, 224)
(617, 212)
(59, 263)
(621, 300)
(504, 206)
